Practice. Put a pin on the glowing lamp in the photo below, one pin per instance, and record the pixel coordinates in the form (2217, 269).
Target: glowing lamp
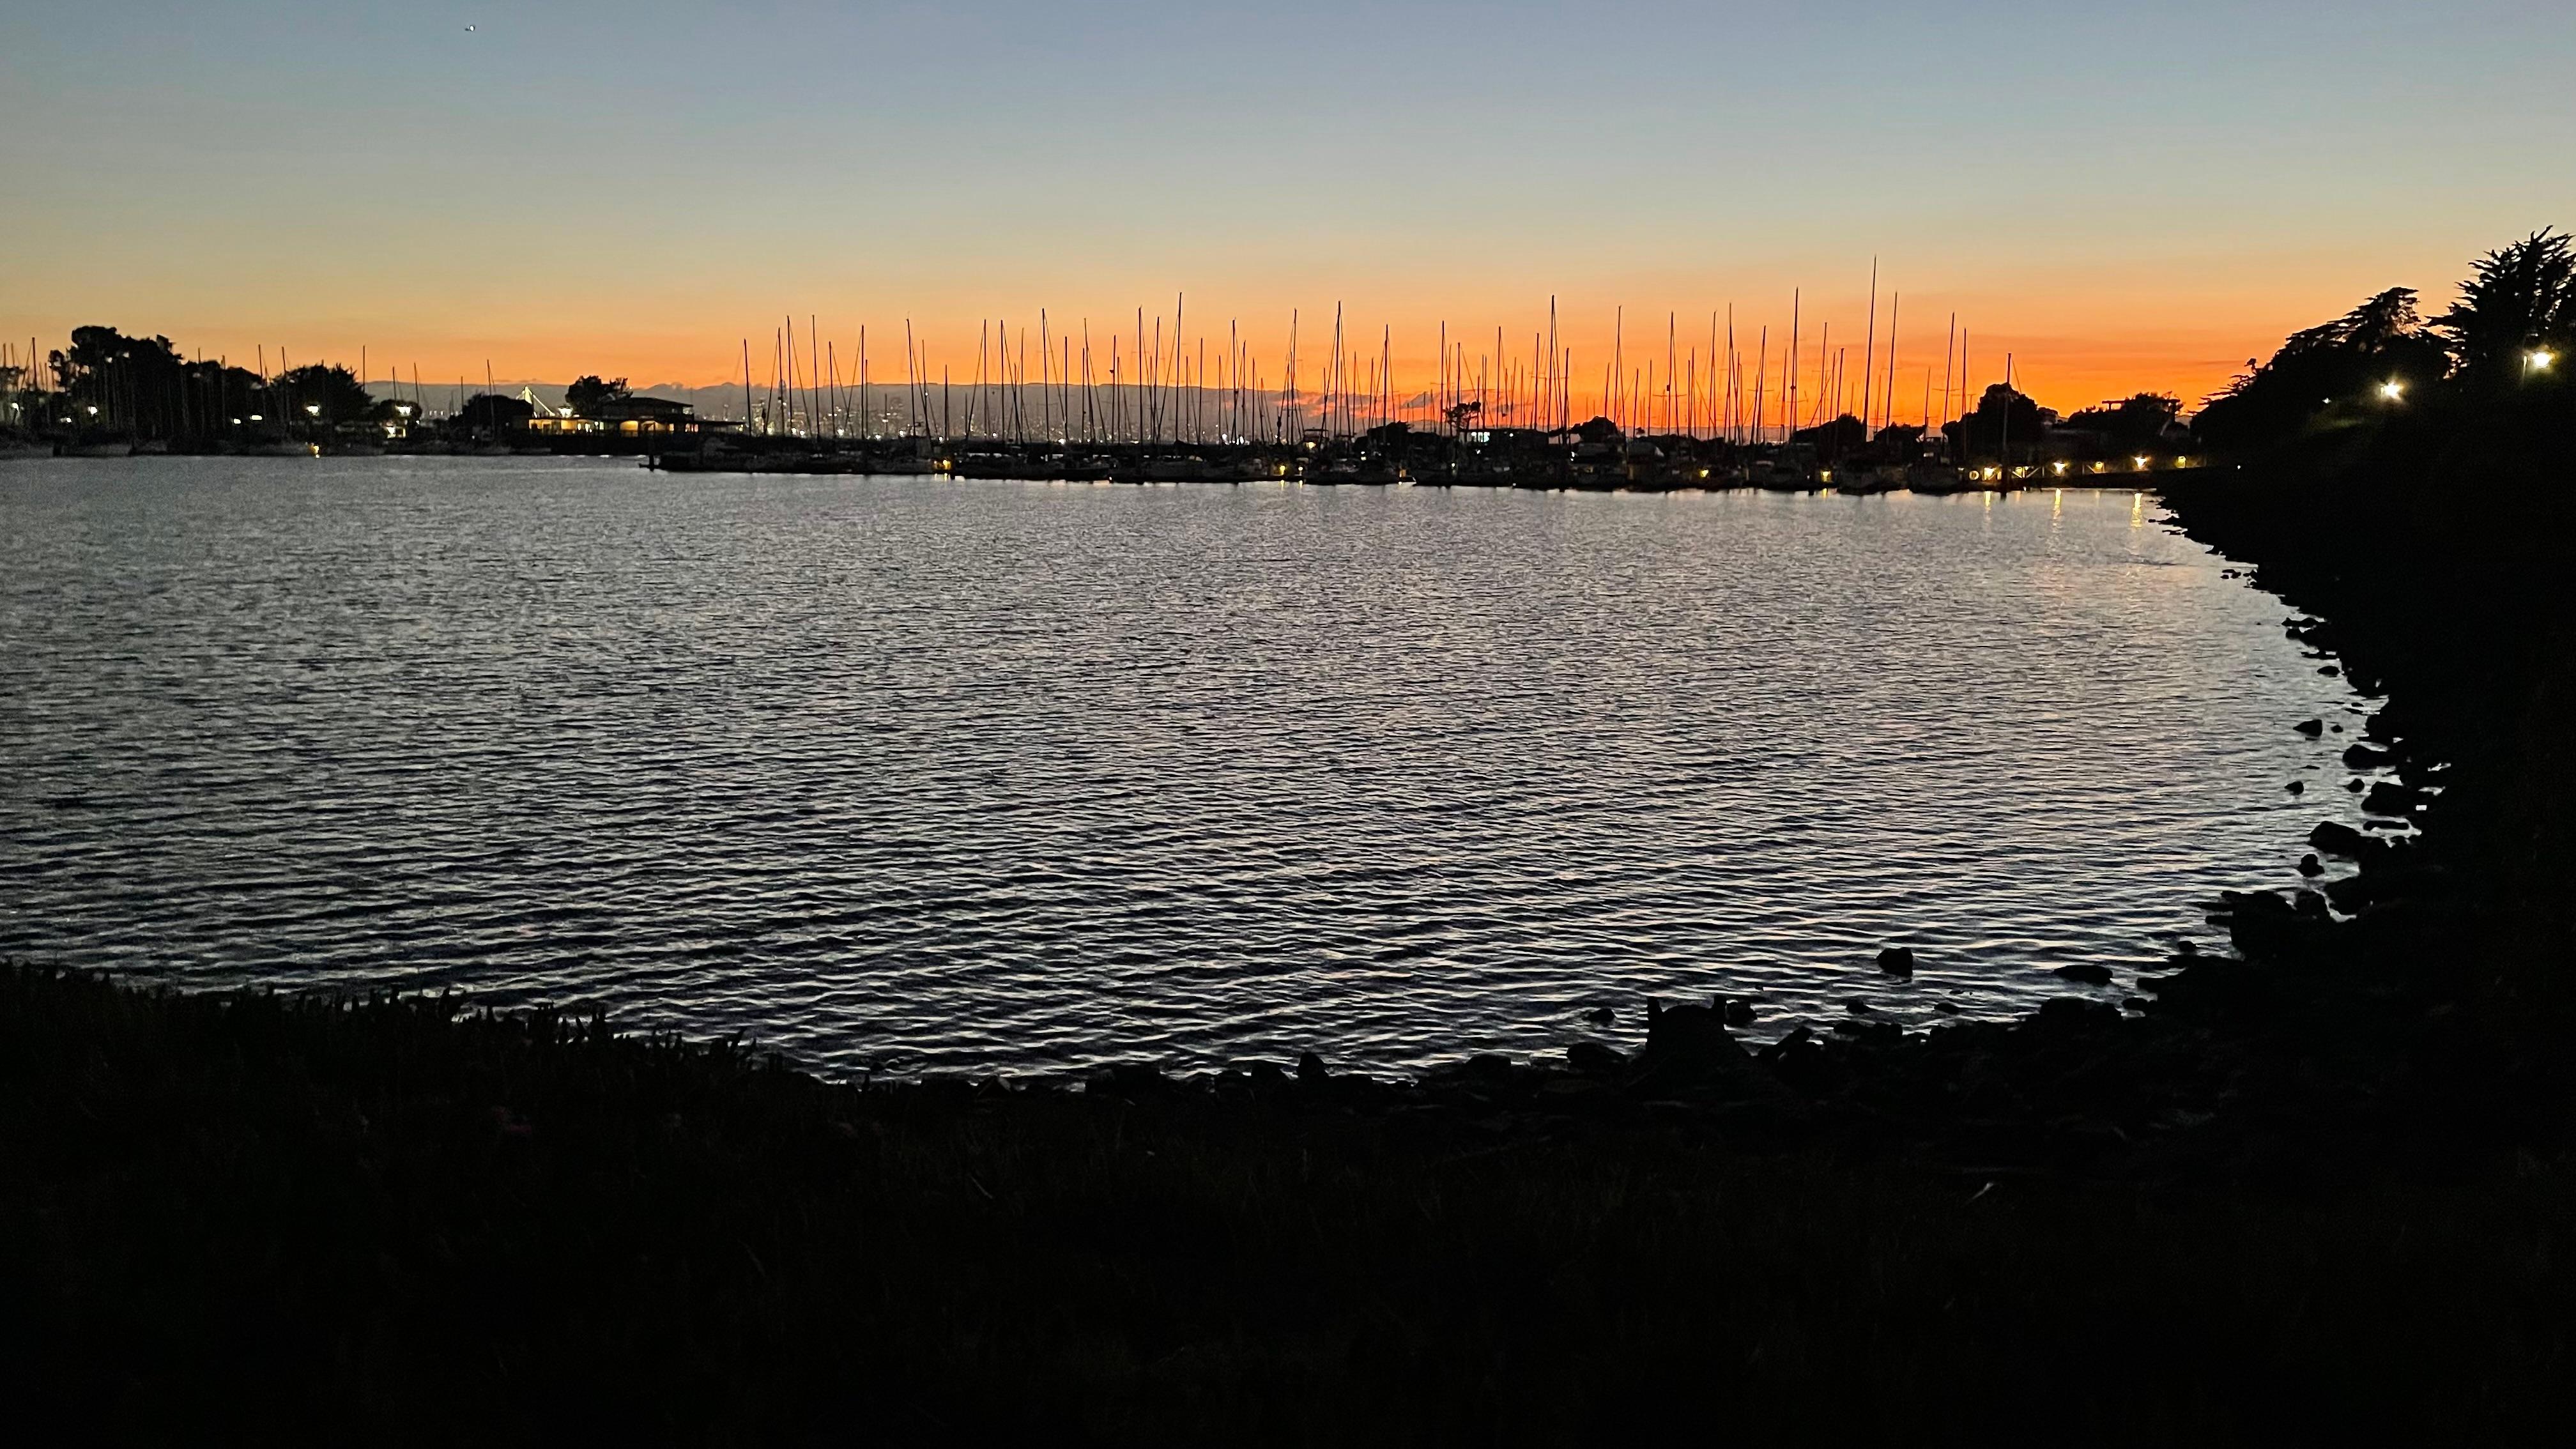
(2392, 390)
(2540, 361)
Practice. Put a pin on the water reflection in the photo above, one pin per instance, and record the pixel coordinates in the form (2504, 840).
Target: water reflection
(1030, 775)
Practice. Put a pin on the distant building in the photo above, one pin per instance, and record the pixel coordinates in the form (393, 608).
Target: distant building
(628, 415)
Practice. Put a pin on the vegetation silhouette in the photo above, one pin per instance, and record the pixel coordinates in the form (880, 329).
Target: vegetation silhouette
(335, 392)
(491, 412)
(2004, 417)
(2141, 420)
(109, 384)
(2495, 359)
(2518, 300)
(587, 392)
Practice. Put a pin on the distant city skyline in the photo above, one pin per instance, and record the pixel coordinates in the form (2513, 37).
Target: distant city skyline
(2125, 201)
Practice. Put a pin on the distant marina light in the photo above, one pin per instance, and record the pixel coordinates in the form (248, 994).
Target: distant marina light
(2539, 361)
(2392, 390)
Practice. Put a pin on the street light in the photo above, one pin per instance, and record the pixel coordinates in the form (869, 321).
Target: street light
(2538, 361)
(2392, 389)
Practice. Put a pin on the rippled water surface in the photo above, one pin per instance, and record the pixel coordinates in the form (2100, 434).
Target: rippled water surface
(912, 773)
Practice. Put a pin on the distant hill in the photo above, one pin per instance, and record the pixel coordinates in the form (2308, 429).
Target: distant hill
(441, 397)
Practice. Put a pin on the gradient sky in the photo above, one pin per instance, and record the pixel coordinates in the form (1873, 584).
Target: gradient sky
(2128, 198)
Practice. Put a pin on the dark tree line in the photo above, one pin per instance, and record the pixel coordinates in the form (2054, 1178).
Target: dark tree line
(2137, 421)
(141, 387)
(2503, 345)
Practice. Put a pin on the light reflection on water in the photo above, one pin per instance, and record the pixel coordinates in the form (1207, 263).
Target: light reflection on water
(922, 773)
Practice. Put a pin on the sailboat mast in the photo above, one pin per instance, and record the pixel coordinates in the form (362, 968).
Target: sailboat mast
(1790, 414)
(1888, 414)
(1869, 354)
(1949, 350)
(1761, 373)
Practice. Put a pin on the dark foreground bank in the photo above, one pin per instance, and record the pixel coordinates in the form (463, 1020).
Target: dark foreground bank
(384, 1221)
(2316, 1193)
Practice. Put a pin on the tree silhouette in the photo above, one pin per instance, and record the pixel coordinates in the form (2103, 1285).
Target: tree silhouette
(2342, 362)
(2132, 422)
(589, 391)
(1984, 432)
(335, 390)
(2518, 298)
(2379, 322)
(492, 410)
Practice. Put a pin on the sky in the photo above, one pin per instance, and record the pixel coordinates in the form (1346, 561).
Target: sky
(2123, 199)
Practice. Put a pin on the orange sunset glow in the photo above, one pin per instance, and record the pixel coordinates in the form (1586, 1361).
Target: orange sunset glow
(561, 193)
